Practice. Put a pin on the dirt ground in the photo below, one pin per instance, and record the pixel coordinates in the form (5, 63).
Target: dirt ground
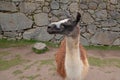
(43, 67)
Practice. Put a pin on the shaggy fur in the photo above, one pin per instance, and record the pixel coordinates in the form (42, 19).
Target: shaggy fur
(60, 59)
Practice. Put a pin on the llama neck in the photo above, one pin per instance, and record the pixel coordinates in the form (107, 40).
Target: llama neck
(72, 47)
(73, 63)
(72, 42)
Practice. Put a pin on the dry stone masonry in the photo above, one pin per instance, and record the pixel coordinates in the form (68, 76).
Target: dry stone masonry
(28, 19)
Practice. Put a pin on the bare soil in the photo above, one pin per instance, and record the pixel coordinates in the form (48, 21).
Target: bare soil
(36, 70)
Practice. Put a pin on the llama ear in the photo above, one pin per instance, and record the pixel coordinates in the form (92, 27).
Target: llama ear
(78, 17)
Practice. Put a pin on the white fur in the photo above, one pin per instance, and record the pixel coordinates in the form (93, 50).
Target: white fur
(73, 63)
(59, 22)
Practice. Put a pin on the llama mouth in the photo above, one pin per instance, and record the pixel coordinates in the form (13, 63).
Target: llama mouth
(52, 31)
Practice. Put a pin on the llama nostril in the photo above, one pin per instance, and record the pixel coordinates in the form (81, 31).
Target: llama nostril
(49, 27)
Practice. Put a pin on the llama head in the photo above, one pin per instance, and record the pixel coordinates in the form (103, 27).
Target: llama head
(64, 27)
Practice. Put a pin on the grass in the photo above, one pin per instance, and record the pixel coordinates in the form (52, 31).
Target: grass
(16, 72)
(51, 44)
(104, 62)
(32, 77)
(15, 43)
(30, 65)
(4, 53)
(19, 43)
(91, 47)
(6, 64)
(12, 43)
(47, 62)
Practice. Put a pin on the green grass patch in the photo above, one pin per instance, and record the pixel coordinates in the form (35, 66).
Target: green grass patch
(32, 77)
(16, 72)
(6, 64)
(40, 51)
(4, 53)
(47, 62)
(15, 43)
(104, 62)
(30, 65)
(19, 43)
(51, 44)
(92, 47)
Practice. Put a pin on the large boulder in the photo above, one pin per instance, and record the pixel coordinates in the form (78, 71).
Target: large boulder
(41, 19)
(28, 7)
(86, 18)
(108, 23)
(39, 33)
(102, 14)
(104, 37)
(73, 7)
(7, 6)
(15, 21)
(54, 5)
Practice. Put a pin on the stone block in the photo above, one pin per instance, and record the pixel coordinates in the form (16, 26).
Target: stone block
(7, 6)
(15, 21)
(41, 19)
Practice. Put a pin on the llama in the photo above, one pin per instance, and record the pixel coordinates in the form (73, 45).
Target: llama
(71, 59)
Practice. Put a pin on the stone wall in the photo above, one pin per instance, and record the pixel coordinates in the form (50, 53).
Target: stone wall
(28, 19)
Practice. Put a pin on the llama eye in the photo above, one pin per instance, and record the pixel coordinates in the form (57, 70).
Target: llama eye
(62, 27)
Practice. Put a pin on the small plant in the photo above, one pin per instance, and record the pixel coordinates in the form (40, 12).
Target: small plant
(92, 47)
(17, 72)
(6, 64)
(104, 62)
(15, 43)
(40, 51)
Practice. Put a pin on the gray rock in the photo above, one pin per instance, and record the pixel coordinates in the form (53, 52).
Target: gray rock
(29, 34)
(92, 5)
(115, 14)
(64, 6)
(86, 18)
(102, 6)
(113, 1)
(91, 28)
(28, 7)
(108, 23)
(39, 33)
(87, 35)
(39, 46)
(104, 38)
(54, 19)
(42, 35)
(10, 34)
(91, 11)
(54, 5)
(41, 19)
(46, 9)
(117, 42)
(83, 41)
(7, 6)
(101, 14)
(73, 7)
(47, 3)
(15, 21)
(116, 28)
(83, 6)
(64, 1)
(58, 12)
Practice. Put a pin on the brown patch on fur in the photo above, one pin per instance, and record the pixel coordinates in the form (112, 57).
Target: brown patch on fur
(60, 59)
